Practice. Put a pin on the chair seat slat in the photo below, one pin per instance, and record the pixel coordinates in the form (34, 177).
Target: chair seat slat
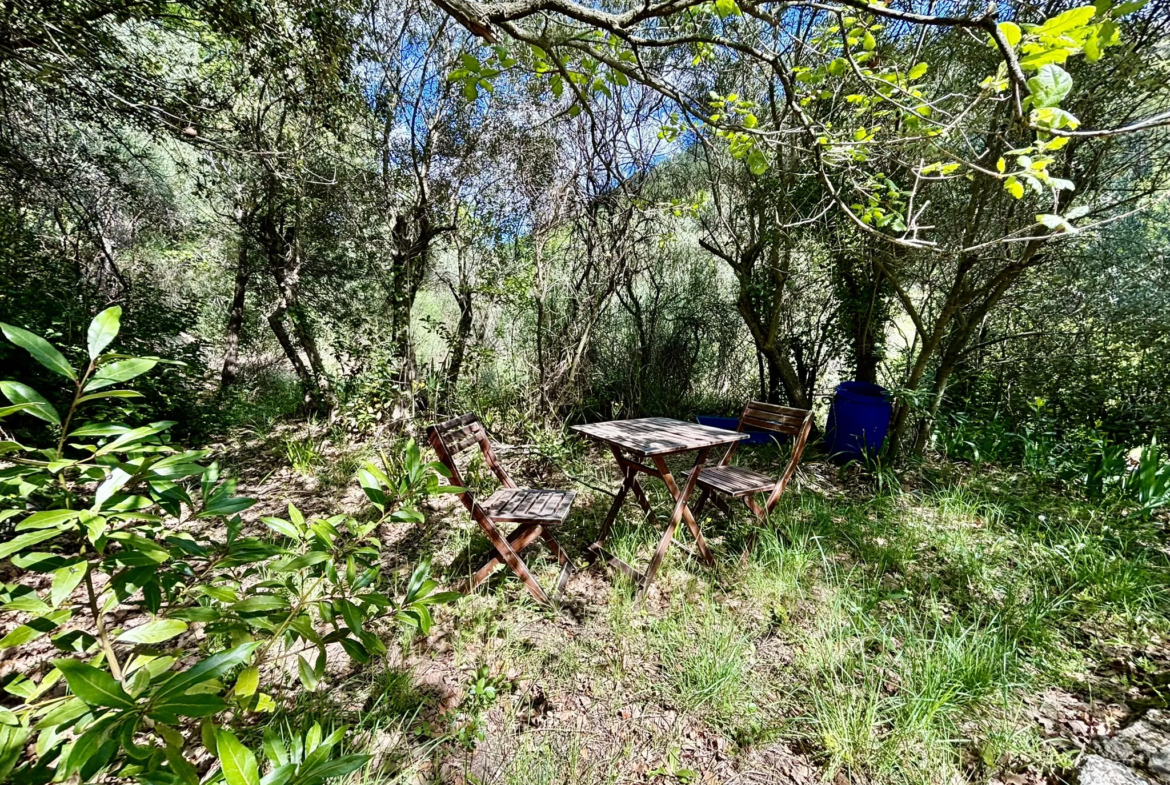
(529, 505)
(734, 480)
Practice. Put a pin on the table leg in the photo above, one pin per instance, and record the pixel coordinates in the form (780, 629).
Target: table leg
(611, 516)
(692, 524)
(640, 495)
(680, 511)
(636, 487)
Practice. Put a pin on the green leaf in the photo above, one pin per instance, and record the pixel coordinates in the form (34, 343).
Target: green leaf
(41, 350)
(303, 561)
(248, 682)
(352, 615)
(1050, 220)
(281, 526)
(22, 541)
(279, 775)
(1128, 8)
(1069, 20)
(154, 632)
(238, 762)
(35, 403)
(68, 711)
(110, 394)
(1034, 62)
(101, 429)
(1049, 86)
(919, 71)
(120, 371)
(1014, 187)
(205, 670)
(103, 329)
(111, 485)
(65, 580)
(338, 767)
(29, 602)
(91, 751)
(12, 742)
(260, 603)
(95, 687)
(757, 162)
(134, 435)
(869, 42)
(726, 8)
(1054, 117)
(46, 519)
(181, 766)
(175, 706)
(1011, 33)
(274, 749)
(355, 650)
(34, 629)
(308, 676)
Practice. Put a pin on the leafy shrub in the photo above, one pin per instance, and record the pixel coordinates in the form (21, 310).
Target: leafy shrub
(1087, 458)
(118, 517)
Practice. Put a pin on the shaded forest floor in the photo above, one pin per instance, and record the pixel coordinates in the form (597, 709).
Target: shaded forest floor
(957, 625)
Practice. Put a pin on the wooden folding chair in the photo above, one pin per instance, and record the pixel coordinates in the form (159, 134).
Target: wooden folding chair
(535, 510)
(739, 482)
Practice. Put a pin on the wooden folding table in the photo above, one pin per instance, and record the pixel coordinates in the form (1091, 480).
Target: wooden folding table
(654, 438)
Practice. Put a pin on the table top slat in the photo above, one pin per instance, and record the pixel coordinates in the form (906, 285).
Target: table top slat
(648, 436)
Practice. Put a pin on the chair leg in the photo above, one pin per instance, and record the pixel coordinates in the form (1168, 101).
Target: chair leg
(761, 518)
(520, 539)
(702, 501)
(567, 566)
(770, 507)
(504, 548)
(719, 502)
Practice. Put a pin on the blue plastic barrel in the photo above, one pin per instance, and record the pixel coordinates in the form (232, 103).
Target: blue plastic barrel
(859, 418)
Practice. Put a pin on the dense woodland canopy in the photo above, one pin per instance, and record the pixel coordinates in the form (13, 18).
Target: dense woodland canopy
(369, 208)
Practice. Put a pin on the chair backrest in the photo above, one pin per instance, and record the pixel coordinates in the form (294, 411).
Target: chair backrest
(778, 419)
(796, 423)
(452, 437)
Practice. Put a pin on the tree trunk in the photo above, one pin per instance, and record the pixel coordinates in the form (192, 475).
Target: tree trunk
(781, 374)
(231, 354)
(276, 322)
(864, 313)
(459, 340)
(287, 286)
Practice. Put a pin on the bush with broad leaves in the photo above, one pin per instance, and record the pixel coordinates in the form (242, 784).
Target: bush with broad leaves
(112, 522)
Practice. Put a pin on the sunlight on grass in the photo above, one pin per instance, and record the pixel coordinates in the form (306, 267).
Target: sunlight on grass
(892, 637)
(706, 657)
(904, 699)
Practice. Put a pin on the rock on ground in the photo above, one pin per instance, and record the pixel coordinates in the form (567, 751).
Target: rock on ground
(1095, 770)
(1144, 745)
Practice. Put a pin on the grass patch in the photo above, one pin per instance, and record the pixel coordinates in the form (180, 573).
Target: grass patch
(894, 637)
(706, 659)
